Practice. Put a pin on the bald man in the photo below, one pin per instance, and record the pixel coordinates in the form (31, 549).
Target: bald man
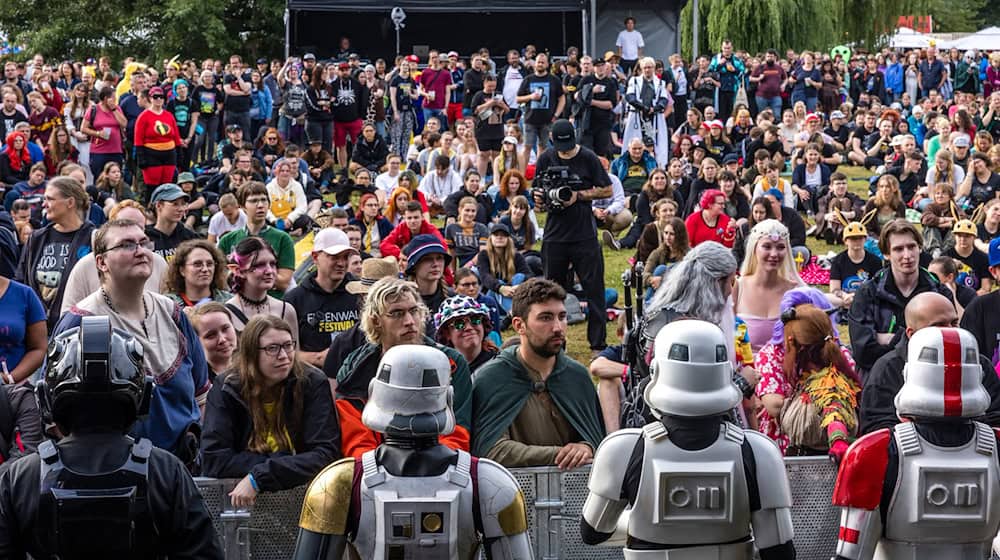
(878, 410)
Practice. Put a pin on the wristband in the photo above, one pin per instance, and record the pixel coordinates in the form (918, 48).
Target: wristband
(624, 372)
(253, 482)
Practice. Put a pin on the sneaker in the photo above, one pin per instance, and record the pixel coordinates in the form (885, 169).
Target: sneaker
(610, 241)
(812, 229)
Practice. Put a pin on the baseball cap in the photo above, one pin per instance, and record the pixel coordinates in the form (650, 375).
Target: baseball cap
(167, 192)
(961, 141)
(563, 135)
(499, 227)
(510, 140)
(995, 252)
(716, 124)
(898, 140)
(421, 246)
(837, 115)
(332, 241)
(812, 117)
(599, 61)
(443, 57)
(965, 227)
(452, 54)
(343, 66)
(155, 90)
(609, 55)
(262, 60)
(233, 128)
(309, 56)
(413, 58)
(730, 158)
(353, 56)
(185, 177)
(373, 270)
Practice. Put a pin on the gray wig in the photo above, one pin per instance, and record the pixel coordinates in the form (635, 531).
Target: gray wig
(691, 287)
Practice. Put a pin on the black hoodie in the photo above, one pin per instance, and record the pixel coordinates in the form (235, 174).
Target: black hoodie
(322, 315)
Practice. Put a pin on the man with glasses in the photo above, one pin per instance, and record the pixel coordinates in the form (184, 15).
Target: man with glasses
(255, 202)
(393, 314)
(322, 304)
(170, 206)
(171, 350)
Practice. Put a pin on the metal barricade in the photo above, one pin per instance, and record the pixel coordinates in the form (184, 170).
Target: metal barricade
(554, 502)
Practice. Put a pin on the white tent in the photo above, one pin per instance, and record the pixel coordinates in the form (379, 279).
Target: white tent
(906, 38)
(987, 39)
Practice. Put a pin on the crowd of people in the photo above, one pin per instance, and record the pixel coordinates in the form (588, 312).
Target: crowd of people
(267, 233)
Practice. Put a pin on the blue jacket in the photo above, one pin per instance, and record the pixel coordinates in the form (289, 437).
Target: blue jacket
(619, 167)
(174, 405)
(729, 80)
(894, 79)
(917, 128)
(799, 174)
(261, 103)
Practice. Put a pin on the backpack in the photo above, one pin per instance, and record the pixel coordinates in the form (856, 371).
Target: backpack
(574, 311)
(10, 249)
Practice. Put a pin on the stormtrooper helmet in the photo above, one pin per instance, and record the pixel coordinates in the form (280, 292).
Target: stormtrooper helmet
(411, 393)
(942, 376)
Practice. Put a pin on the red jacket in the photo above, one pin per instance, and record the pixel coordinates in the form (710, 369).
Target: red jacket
(698, 231)
(393, 243)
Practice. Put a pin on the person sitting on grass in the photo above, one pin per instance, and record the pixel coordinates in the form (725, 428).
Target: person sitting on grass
(467, 236)
(501, 266)
(938, 218)
(829, 227)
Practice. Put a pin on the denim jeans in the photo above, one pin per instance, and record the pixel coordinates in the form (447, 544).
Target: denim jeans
(774, 103)
(439, 113)
(809, 101)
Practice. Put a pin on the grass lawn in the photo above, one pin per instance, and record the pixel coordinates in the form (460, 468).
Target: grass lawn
(615, 262)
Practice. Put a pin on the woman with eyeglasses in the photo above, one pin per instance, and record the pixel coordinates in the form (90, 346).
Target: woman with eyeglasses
(270, 419)
(156, 140)
(197, 274)
(52, 251)
(253, 270)
(710, 222)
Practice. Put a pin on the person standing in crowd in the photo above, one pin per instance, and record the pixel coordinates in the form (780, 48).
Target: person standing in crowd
(393, 315)
(650, 104)
(598, 96)
(434, 81)
(570, 235)
(196, 275)
(171, 352)
(932, 73)
(531, 405)
(185, 109)
(730, 70)
(254, 199)
(876, 320)
(488, 109)
(270, 420)
(52, 251)
(156, 141)
(94, 389)
(349, 101)
(542, 95)
(236, 86)
(770, 79)
(403, 92)
(630, 45)
(324, 307)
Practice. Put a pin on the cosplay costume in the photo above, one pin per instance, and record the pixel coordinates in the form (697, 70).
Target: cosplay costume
(646, 102)
(694, 484)
(412, 497)
(926, 488)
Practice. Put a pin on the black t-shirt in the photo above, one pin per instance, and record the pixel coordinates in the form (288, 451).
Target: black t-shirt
(489, 122)
(182, 111)
(982, 192)
(8, 122)
(973, 269)
(208, 99)
(403, 87)
(575, 223)
(166, 245)
(862, 133)
(608, 92)
(473, 80)
(984, 235)
(237, 103)
(840, 136)
(51, 271)
(540, 111)
(323, 316)
(852, 274)
(571, 84)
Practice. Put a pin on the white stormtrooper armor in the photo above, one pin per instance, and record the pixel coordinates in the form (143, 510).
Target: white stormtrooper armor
(945, 502)
(690, 504)
(438, 515)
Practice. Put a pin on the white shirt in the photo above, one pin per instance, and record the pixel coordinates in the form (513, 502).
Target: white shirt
(386, 182)
(220, 225)
(630, 42)
(511, 83)
(437, 187)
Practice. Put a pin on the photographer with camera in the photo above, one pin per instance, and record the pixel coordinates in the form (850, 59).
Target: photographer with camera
(567, 178)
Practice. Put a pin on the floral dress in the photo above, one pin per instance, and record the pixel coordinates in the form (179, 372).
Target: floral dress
(769, 363)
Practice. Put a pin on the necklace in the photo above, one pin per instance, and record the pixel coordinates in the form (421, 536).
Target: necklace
(145, 310)
(258, 304)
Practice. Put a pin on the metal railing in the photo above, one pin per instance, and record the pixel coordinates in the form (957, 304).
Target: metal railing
(554, 501)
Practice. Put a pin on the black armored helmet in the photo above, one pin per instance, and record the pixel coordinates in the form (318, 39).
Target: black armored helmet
(92, 371)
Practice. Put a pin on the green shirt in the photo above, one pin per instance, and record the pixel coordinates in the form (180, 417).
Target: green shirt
(281, 242)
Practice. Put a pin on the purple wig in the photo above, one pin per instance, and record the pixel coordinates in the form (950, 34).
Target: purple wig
(794, 298)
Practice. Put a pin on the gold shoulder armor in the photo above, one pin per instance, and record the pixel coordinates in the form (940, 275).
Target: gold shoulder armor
(513, 519)
(328, 499)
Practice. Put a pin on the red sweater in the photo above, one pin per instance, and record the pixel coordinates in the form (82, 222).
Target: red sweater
(157, 132)
(400, 236)
(699, 231)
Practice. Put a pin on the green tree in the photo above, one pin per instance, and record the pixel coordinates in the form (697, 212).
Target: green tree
(952, 17)
(149, 30)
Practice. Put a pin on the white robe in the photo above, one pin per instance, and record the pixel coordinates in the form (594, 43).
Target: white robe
(632, 126)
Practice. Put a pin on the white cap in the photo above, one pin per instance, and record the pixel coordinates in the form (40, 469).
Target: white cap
(332, 241)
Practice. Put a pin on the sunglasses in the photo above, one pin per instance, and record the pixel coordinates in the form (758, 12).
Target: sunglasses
(156, 97)
(460, 324)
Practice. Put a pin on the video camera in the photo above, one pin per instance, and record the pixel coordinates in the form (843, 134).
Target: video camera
(555, 187)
